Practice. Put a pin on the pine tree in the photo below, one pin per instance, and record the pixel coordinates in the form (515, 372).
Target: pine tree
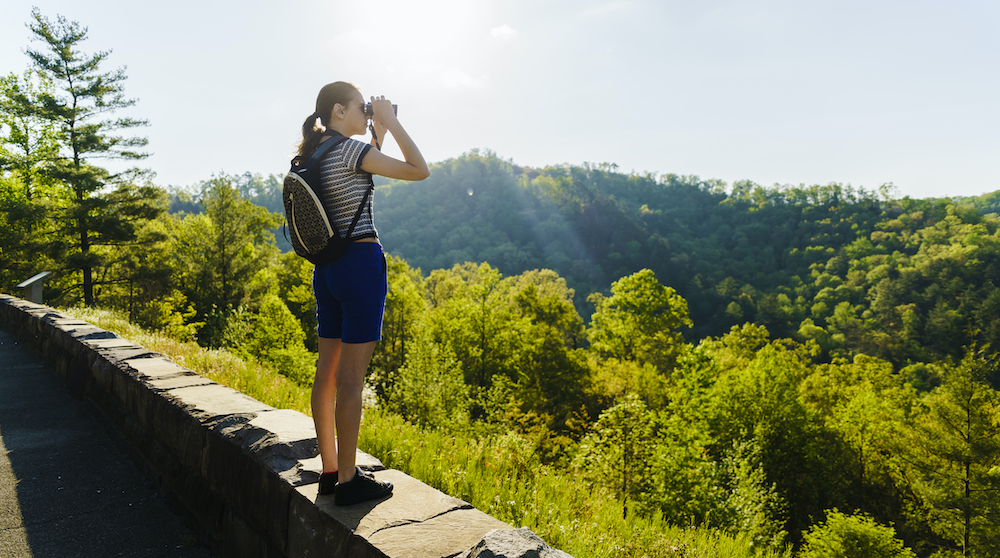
(79, 106)
(954, 450)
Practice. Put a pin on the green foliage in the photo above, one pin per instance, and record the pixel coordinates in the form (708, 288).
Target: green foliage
(404, 307)
(223, 256)
(953, 446)
(100, 211)
(640, 321)
(755, 507)
(430, 388)
(852, 270)
(500, 476)
(761, 403)
(653, 461)
(273, 336)
(852, 536)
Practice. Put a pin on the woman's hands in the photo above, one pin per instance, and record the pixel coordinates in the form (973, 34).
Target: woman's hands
(382, 116)
(378, 128)
(413, 167)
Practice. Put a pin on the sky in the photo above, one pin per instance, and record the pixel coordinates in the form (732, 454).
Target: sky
(786, 92)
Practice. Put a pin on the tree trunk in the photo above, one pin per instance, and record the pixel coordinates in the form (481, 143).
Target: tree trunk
(88, 272)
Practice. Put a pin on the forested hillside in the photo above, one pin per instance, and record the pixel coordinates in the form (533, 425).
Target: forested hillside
(857, 271)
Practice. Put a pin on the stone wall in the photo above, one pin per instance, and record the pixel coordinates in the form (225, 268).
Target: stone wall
(247, 471)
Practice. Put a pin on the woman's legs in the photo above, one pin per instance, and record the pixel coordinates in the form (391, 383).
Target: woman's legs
(336, 400)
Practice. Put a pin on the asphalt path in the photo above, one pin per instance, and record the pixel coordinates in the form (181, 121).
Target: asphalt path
(67, 489)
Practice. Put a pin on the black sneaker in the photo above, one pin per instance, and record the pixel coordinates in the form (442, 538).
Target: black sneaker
(328, 481)
(360, 489)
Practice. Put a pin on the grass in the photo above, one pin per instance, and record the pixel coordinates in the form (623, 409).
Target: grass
(499, 476)
(219, 365)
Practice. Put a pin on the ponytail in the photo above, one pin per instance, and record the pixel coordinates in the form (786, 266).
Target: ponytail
(338, 92)
(311, 134)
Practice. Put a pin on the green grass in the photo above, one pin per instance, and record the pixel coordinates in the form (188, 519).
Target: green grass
(221, 366)
(499, 476)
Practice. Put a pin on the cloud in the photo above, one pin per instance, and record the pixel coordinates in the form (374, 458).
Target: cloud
(503, 33)
(453, 77)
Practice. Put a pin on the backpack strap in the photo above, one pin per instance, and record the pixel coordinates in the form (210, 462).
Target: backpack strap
(361, 208)
(330, 143)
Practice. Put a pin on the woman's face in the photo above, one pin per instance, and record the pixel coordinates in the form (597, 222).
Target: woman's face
(354, 115)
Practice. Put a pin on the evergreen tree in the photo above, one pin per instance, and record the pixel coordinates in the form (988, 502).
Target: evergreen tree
(79, 107)
(953, 447)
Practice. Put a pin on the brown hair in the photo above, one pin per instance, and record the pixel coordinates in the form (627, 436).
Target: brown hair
(330, 95)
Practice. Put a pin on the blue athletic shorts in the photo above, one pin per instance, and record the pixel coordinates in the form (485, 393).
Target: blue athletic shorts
(350, 294)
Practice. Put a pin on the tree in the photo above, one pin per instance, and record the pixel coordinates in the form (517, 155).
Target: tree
(79, 108)
(27, 145)
(404, 305)
(953, 447)
(852, 536)
(224, 256)
(28, 141)
(761, 403)
(272, 336)
(640, 321)
(430, 388)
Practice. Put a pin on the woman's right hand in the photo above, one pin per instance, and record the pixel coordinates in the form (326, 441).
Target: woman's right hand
(382, 112)
(414, 167)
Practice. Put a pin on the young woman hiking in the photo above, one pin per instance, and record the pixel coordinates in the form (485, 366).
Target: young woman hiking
(350, 292)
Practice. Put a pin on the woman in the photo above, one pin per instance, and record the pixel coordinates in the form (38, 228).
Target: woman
(350, 292)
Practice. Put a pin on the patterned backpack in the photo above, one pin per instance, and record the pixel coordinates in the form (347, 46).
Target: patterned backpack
(313, 236)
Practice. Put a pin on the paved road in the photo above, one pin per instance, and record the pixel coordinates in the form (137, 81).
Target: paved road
(66, 489)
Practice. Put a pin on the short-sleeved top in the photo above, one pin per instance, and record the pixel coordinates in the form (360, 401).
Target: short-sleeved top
(343, 185)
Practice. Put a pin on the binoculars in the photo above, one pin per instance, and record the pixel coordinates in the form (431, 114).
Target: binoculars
(369, 111)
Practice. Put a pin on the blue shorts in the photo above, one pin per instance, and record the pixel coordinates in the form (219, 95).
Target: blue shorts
(350, 294)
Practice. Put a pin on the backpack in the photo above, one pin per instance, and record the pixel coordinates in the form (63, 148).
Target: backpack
(313, 236)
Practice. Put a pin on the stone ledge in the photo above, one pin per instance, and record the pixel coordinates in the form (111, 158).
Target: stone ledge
(246, 470)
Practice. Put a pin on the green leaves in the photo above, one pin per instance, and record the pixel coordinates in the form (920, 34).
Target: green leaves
(953, 447)
(223, 253)
(853, 536)
(640, 321)
(57, 121)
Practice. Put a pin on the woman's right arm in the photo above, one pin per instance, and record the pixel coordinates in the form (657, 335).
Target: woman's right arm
(413, 167)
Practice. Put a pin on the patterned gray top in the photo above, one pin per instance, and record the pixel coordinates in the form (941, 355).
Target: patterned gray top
(343, 185)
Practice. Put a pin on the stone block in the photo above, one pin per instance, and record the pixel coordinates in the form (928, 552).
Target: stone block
(313, 533)
(283, 439)
(444, 535)
(416, 521)
(127, 354)
(310, 469)
(513, 543)
(214, 400)
(243, 478)
(109, 344)
(156, 367)
(187, 380)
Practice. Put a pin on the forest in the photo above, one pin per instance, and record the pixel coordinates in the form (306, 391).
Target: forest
(813, 368)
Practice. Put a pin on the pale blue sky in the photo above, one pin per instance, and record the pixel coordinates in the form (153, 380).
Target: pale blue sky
(789, 92)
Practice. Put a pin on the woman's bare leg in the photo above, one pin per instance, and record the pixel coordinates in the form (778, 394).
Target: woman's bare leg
(350, 379)
(324, 401)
